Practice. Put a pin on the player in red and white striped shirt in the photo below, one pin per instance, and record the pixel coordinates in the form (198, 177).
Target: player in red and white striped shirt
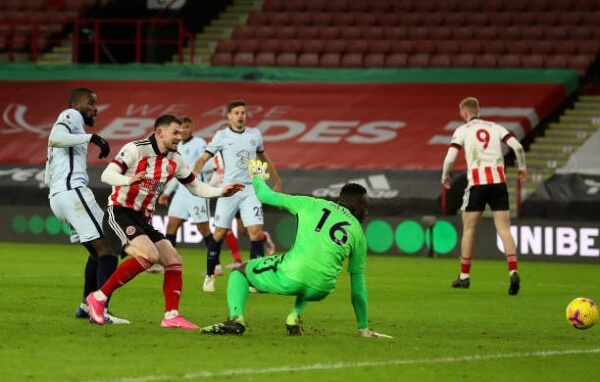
(482, 143)
(138, 175)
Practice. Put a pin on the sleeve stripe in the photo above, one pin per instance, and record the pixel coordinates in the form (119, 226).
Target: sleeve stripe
(189, 179)
(65, 125)
(456, 146)
(122, 166)
(507, 137)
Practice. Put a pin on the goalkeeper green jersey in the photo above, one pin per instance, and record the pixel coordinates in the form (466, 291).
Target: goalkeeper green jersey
(327, 234)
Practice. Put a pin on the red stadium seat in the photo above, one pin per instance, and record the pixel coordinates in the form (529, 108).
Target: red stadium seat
(557, 61)
(469, 5)
(432, 19)
(402, 46)
(509, 33)
(290, 46)
(500, 18)
(441, 61)
(523, 19)
(494, 47)
(372, 33)
(537, 5)
(419, 60)
(591, 18)
(381, 6)
(308, 32)
(418, 33)
(294, 5)
(532, 33)
(541, 47)
(336, 6)
(463, 33)
(573, 18)
(409, 19)
(242, 32)
(351, 60)
(286, 59)
(581, 32)
(258, 18)
(374, 60)
(514, 6)
(357, 46)
(424, 6)
(222, 59)
(273, 5)
(454, 19)
(587, 47)
(557, 33)
(518, 47)
(321, 18)
(350, 33)
(463, 60)
(359, 6)
(316, 6)
(308, 60)
(394, 33)
(328, 33)
(300, 18)
(243, 59)
(386, 19)
(265, 59)
(565, 47)
(547, 18)
(471, 46)
(446, 6)
(268, 45)
(485, 61)
(581, 62)
(478, 19)
(425, 46)
(486, 33)
(532, 61)
(380, 46)
(312, 46)
(343, 18)
(396, 60)
(227, 45)
(440, 33)
(509, 61)
(334, 46)
(365, 19)
(247, 45)
(279, 18)
(447, 47)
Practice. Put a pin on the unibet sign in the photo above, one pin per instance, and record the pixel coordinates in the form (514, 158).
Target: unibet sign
(540, 240)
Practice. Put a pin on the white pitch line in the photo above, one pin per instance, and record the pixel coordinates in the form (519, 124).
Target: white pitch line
(348, 365)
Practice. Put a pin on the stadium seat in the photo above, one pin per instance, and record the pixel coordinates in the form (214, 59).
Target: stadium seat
(485, 61)
(471, 46)
(268, 45)
(286, 59)
(241, 32)
(500, 19)
(334, 46)
(381, 6)
(478, 19)
(463, 60)
(509, 33)
(446, 6)
(265, 59)
(418, 33)
(581, 62)
(546, 18)
(447, 47)
(243, 59)
(262, 32)
(454, 19)
(537, 5)
(359, 6)
(396, 60)
(541, 47)
(469, 5)
(380, 46)
(518, 47)
(394, 33)
(440, 61)
(285, 32)
(372, 33)
(532, 61)
(487, 32)
(258, 18)
(279, 18)
(273, 5)
(432, 19)
(463, 33)
(493, 5)
(351, 60)
(386, 19)
(587, 47)
(402, 46)
(294, 5)
(336, 6)
(565, 47)
(582, 32)
(222, 59)
(364, 19)
(591, 18)
(557, 33)
(424, 6)
(321, 18)
(514, 6)
(571, 18)
(312, 46)
(494, 47)
(440, 33)
(316, 6)
(328, 33)
(409, 19)
(247, 45)
(532, 33)
(227, 45)
(308, 60)
(374, 60)
(509, 61)
(350, 33)
(343, 18)
(357, 46)
(290, 46)
(418, 60)
(586, 5)
(300, 18)
(308, 32)
(557, 61)
(523, 19)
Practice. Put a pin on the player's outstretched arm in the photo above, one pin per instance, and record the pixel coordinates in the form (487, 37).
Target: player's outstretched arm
(359, 297)
(274, 175)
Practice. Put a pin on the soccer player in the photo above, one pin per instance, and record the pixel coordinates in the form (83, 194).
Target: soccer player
(237, 144)
(328, 233)
(486, 185)
(138, 175)
(183, 204)
(70, 198)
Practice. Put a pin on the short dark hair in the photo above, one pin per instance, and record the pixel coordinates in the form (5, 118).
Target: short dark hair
(78, 94)
(235, 103)
(166, 120)
(186, 119)
(352, 190)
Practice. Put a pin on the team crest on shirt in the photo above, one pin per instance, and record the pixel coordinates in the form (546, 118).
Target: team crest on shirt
(67, 118)
(130, 230)
(122, 154)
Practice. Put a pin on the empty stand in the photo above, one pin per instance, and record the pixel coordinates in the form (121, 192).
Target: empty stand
(286, 59)
(351, 60)
(374, 60)
(329, 60)
(265, 59)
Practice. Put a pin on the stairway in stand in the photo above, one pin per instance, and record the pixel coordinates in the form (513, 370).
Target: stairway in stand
(552, 151)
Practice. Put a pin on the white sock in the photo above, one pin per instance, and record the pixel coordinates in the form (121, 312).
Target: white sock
(98, 295)
(464, 276)
(171, 314)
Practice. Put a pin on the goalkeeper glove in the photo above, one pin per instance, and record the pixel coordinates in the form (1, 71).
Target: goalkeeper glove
(100, 142)
(258, 168)
(370, 333)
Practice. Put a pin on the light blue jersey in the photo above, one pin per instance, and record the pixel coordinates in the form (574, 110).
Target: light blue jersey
(236, 149)
(66, 166)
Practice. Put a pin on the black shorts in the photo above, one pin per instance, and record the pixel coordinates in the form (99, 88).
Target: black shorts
(476, 197)
(122, 224)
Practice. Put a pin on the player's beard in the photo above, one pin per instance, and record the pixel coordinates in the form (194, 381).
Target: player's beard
(88, 120)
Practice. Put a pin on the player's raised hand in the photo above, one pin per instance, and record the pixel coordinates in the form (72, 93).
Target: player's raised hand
(232, 188)
(370, 333)
(100, 142)
(258, 168)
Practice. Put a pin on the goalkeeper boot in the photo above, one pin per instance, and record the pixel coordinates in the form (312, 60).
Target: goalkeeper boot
(293, 324)
(515, 284)
(235, 325)
(461, 283)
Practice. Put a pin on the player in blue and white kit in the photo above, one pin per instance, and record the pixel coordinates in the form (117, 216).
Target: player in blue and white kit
(70, 198)
(183, 204)
(238, 144)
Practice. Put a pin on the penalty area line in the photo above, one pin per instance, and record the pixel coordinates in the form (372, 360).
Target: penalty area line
(349, 365)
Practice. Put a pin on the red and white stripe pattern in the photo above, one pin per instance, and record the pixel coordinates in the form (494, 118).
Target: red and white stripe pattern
(482, 141)
(141, 156)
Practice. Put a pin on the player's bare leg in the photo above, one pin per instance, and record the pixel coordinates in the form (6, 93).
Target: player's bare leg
(470, 221)
(502, 223)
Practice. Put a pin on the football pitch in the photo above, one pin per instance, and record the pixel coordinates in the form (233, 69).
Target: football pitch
(440, 334)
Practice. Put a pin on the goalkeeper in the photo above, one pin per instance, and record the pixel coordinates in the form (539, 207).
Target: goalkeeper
(328, 232)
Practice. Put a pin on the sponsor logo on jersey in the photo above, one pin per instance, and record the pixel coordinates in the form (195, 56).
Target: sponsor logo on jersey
(130, 230)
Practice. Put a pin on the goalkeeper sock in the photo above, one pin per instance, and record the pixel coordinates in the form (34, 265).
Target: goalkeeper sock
(237, 293)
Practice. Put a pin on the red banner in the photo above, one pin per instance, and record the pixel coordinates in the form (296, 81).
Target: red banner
(305, 125)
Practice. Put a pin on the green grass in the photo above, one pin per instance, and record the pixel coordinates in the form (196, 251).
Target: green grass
(441, 334)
